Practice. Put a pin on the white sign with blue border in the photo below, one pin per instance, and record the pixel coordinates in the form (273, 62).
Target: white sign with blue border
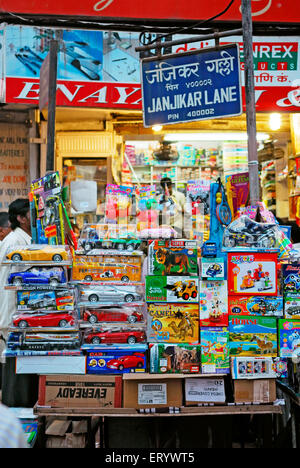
(198, 85)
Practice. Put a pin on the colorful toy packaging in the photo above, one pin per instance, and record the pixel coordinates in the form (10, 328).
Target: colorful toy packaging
(173, 323)
(252, 336)
(255, 305)
(115, 359)
(119, 203)
(258, 368)
(213, 304)
(292, 306)
(172, 257)
(252, 273)
(291, 278)
(198, 204)
(172, 289)
(110, 236)
(237, 188)
(289, 338)
(147, 208)
(178, 358)
(60, 299)
(212, 268)
(214, 350)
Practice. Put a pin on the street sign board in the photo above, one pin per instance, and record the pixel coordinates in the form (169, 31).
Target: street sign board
(199, 85)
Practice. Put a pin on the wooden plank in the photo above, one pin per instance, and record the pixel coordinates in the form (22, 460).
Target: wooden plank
(146, 376)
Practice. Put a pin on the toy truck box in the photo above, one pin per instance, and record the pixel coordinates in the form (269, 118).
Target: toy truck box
(214, 350)
(172, 257)
(252, 336)
(60, 299)
(172, 289)
(291, 278)
(256, 305)
(289, 338)
(175, 358)
(115, 359)
(212, 268)
(252, 273)
(173, 323)
(292, 305)
(258, 368)
(213, 304)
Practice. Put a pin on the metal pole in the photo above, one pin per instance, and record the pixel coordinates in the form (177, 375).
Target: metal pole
(254, 183)
(51, 105)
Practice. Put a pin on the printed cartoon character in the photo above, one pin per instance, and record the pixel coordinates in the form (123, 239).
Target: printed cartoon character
(248, 281)
(265, 282)
(207, 350)
(258, 273)
(215, 313)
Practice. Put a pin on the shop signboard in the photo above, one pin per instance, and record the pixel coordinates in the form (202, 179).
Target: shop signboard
(199, 85)
(262, 10)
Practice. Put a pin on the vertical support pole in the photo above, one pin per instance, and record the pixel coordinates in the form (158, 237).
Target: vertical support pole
(254, 184)
(51, 105)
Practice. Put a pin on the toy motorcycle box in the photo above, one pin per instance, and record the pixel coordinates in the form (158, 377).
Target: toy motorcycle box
(291, 278)
(245, 233)
(289, 338)
(256, 305)
(115, 359)
(172, 289)
(252, 273)
(213, 304)
(214, 350)
(258, 368)
(212, 268)
(173, 323)
(292, 305)
(252, 336)
(175, 359)
(172, 257)
(47, 300)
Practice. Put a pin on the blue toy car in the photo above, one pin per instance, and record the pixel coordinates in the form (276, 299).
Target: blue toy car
(38, 275)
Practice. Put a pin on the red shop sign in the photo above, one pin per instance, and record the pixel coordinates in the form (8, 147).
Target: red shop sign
(263, 10)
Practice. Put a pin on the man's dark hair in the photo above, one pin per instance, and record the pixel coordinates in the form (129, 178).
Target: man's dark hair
(4, 219)
(166, 181)
(19, 207)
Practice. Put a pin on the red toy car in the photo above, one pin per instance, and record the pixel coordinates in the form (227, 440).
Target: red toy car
(125, 362)
(111, 336)
(55, 319)
(112, 314)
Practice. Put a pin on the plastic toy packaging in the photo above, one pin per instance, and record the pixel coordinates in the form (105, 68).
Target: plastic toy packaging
(44, 319)
(147, 208)
(172, 289)
(124, 314)
(43, 341)
(115, 334)
(245, 232)
(119, 204)
(178, 358)
(38, 276)
(38, 254)
(94, 237)
(162, 232)
(115, 359)
(198, 205)
(108, 268)
(112, 294)
(58, 299)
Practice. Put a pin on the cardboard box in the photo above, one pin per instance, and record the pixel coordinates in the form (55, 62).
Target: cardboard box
(268, 306)
(66, 434)
(50, 364)
(175, 358)
(173, 323)
(292, 306)
(255, 391)
(214, 350)
(291, 278)
(213, 304)
(213, 269)
(80, 391)
(172, 257)
(252, 336)
(204, 390)
(172, 289)
(252, 273)
(116, 359)
(149, 391)
(258, 368)
(289, 338)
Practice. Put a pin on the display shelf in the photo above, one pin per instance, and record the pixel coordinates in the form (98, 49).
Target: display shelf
(38, 287)
(147, 376)
(37, 263)
(94, 305)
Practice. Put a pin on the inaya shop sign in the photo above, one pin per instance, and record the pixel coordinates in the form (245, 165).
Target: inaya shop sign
(198, 85)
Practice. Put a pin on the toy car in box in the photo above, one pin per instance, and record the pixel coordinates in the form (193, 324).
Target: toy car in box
(252, 336)
(44, 341)
(97, 237)
(44, 319)
(289, 338)
(291, 278)
(53, 276)
(258, 368)
(214, 350)
(115, 359)
(51, 300)
(39, 253)
(172, 289)
(256, 305)
(175, 358)
(172, 257)
(292, 305)
(173, 323)
(213, 304)
(113, 334)
(110, 293)
(212, 268)
(252, 273)
(132, 313)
